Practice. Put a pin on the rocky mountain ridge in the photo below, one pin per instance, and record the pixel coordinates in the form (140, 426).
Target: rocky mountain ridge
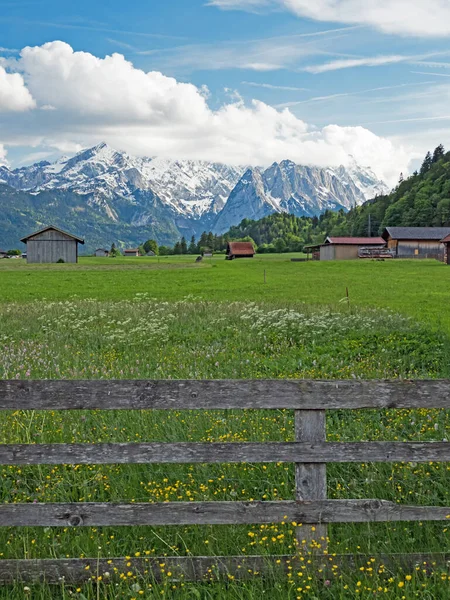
(186, 197)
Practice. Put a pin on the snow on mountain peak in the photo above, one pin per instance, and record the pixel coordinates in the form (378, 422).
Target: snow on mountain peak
(195, 195)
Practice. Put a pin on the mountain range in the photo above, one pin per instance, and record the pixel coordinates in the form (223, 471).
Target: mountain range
(109, 196)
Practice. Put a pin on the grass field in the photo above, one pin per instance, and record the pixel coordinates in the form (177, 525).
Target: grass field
(416, 288)
(140, 318)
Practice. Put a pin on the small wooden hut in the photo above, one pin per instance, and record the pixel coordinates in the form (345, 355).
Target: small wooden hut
(240, 250)
(416, 242)
(52, 245)
(446, 243)
(102, 252)
(131, 252)
(348, 248)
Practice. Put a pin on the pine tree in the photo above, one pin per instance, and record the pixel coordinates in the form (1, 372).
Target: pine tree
(193, 246)
(203, 242)
(438, 153)
(183, 245)
(426, 165)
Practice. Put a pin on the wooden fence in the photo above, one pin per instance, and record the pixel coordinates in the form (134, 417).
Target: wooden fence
(310, 452)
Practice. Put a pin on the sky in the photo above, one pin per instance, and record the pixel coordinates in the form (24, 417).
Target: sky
(236, 81)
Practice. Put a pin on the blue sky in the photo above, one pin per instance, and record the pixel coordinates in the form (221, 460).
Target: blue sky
(379, 71)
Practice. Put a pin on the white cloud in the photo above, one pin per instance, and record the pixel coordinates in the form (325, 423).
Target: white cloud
(373, 61)
(266, 54)
(3, 160)
(422, 18)
(348, 63)
(249, 5)
(431, 74)
(150, 114)
(14, 96)
(357, 93)
(269, 86)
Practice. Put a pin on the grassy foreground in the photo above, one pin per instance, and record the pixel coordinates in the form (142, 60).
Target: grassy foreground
(122, 332)
(418, 288)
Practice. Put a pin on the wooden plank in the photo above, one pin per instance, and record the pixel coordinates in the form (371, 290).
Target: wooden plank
(311, 478)
(222, 394)
(229, 452)
(92, 514)
(206, 568)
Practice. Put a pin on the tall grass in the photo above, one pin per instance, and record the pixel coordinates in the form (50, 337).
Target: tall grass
(143, 338)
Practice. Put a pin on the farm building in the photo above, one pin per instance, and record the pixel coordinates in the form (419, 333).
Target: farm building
(131, 252)
(240, 250)
(446, 243)
(3, 253)
(348, 248)
(421, 242)
(50, 245)
(101, 252)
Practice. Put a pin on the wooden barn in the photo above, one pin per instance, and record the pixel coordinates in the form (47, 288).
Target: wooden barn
(419, 242)
(101, 252)
(131, 252)
(348, 248)
(240, 250)
(446, 243)
(52, 245)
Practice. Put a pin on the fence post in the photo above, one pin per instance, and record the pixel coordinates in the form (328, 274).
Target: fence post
(311, 479)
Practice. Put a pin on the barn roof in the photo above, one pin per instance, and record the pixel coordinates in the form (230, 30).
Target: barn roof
(416, 233)
(242, 248)
(356, 241)
(446, 240)
(78, 239)
(131, 250)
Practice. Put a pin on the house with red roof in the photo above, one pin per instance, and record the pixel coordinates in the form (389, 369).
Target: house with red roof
(240, 250)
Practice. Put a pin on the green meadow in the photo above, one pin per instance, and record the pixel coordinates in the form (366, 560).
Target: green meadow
(416, 288)
(169, 317)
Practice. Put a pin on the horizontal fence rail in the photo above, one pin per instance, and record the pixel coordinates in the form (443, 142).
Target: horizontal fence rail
(222, 394)
(227, 452)
(310, 452)
(215, 513)
(208, 568)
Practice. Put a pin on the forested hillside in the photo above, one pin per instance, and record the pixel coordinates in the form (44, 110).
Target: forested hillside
(422, 200)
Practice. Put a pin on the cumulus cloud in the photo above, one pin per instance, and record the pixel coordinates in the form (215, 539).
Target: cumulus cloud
(14, 96)
(3, 160)
(423, 18)
(150, 114)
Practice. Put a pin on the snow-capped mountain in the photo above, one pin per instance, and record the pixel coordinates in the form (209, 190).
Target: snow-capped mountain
(189, 188)
(303, 191)
(185, 197)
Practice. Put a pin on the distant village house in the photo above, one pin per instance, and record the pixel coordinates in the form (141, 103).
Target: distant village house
(131, 252)
(52, 245)
(240, 250)
(346, 248)
(101, 252)
(416, 242)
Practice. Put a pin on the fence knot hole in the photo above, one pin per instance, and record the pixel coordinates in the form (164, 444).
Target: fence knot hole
(75, 520)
